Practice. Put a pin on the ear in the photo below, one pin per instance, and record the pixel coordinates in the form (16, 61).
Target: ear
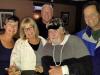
(99, 18)
(62, 30)
(4, 26)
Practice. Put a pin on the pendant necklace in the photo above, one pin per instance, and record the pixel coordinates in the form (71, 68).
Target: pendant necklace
(60, 57)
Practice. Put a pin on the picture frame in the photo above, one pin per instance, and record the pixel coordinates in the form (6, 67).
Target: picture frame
(65, 17)
(4, 13)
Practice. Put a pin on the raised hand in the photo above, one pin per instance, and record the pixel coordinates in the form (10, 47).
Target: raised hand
(55, 70)
(39, 68)
(13, 70)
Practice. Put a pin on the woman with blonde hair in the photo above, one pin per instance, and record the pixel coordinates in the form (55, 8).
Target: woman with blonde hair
(27, 49)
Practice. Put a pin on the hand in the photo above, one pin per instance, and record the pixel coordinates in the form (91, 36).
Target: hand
(13, 70)
(55, 70)
(39, 69)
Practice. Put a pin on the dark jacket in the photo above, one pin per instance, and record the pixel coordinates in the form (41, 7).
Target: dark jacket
(96, 61)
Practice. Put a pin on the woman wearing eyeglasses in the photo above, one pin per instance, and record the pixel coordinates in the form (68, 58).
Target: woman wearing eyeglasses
(27, 49)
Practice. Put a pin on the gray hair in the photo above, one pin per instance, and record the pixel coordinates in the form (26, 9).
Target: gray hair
(48, 5)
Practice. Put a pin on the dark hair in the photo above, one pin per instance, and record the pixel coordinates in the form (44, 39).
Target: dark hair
(92, 3)
(13, 17)
(10, 17)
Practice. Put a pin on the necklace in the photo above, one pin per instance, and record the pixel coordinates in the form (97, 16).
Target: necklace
(59, 56)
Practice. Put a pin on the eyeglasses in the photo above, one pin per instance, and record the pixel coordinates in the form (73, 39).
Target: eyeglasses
(27, 29)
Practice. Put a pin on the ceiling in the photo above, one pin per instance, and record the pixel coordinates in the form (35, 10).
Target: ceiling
(66, 1)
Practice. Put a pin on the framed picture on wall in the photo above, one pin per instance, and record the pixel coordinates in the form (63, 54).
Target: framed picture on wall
(4, 13)
(65, 17)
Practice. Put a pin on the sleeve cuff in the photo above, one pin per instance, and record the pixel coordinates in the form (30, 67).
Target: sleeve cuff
(65, 70)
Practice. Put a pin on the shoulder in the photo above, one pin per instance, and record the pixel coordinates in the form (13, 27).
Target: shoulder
(78, 46)
(20, 41)
(74, 37)
(43, 40)
(47, 49)
(80, 33)
(75, 40)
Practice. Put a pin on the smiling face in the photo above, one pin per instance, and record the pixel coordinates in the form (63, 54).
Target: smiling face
(47, 13)
(11, 27)
(28, 28)
(91, 16)
(29, 31)
(55, 36)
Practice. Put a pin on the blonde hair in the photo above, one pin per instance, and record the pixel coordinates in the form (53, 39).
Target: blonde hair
(28, 21)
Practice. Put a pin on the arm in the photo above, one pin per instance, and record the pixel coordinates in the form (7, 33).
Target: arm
(82, 61)
(81, 66)
(15, 56)
(14, 68)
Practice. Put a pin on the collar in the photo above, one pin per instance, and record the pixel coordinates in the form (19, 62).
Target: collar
(96, 34)
(90, 36)
(88, 31)
(98, 44)
(43, 40)
(87, 35)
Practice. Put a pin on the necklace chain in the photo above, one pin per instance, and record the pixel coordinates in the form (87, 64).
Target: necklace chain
(59, 56)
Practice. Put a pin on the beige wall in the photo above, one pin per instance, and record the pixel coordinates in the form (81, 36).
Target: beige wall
(22, 7)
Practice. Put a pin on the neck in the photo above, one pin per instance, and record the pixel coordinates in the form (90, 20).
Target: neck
(61, 38)
(96, 28)
(45, 23)
(7, 36)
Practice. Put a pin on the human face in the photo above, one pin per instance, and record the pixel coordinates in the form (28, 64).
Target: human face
(91, 16)
(47, 13)
(54, 36)
(11, 27)
(29, 31)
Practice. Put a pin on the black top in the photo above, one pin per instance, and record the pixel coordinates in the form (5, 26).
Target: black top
(35, 47)
(42, 28)
(4, 59)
